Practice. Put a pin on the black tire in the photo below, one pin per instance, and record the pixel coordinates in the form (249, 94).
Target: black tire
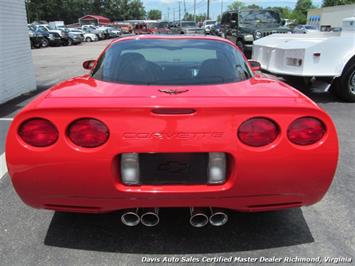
(88, 39)
(344, 87)
(70, 42)
(44, 43)
(36, 44)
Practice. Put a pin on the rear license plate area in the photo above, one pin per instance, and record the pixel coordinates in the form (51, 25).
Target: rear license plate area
(173, 168)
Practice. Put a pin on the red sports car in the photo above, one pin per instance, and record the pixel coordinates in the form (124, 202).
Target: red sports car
(171, 121)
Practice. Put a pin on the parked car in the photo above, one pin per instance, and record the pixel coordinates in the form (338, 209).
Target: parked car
(52, 35)
(305, 29)
(124, 26)
(36, 39)
(163, 28)
(244, 26)
(49, 38)
(87, 37)
(75, 37)
(45, 27)
(207, 25)
(171, 121)
(92, 29)
(153, 27)
(188, 27)
(115, 32)
(216, 29)
(141, 28)
(326, 60)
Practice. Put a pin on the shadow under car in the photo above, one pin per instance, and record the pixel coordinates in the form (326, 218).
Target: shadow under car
(174, 235)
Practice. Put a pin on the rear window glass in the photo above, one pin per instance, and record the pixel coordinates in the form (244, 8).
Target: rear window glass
(171, 62)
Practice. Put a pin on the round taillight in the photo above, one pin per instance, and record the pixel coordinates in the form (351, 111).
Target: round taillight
(257, 132)
(306, 131)
(88, 133)
(38, 132)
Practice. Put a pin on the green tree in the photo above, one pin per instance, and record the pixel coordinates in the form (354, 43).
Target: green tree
(190, 17)
(71, 10)
(284, 12)
(154, 14)
(337, 2)
(136, 9)
(236, 5)
(254, 6)
(300, 11)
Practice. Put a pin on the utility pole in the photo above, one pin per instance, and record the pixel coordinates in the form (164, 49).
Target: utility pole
(208, 9)
(174, 15)
(221, 9)
(184, 7)
(168, 13)
(179, 13)
(195, 11)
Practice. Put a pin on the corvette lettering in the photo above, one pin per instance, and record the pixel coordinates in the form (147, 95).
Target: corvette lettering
(171, 136)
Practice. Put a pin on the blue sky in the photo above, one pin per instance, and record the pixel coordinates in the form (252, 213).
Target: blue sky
(215, 6)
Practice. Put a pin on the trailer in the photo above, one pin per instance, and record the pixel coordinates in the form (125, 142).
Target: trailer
(325, 59)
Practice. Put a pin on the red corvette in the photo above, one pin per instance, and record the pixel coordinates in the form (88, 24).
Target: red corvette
(171, 121)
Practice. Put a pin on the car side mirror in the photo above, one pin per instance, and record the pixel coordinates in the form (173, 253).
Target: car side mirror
(89, 64)
(255, 65)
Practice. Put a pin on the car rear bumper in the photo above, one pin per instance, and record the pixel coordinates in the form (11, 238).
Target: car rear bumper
(257, 203)
(92, 183)
(275, 176)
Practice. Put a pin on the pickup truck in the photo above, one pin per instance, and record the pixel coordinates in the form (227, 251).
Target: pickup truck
(326, 60)
(44, 28)
(244, 26)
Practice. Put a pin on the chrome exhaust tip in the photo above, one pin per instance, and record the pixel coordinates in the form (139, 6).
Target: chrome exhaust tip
(199, 216)
(150, 216)
(130, 217)
(218, 217)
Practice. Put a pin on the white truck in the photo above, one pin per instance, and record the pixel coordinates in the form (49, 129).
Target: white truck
(325, 59)
(56, 24)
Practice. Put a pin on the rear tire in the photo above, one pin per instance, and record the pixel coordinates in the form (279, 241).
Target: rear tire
(88, 39)
(37, 44)
(345, 85)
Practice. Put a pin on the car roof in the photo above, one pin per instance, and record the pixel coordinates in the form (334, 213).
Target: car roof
(172, 37)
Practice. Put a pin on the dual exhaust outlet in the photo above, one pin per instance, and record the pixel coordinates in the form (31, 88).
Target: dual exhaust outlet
(199, 217)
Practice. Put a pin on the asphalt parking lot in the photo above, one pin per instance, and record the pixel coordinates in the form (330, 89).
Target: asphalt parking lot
(40, 237)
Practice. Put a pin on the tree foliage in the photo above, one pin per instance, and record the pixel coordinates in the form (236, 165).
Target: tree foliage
(337, 2)
(199, 17)
(70, 10)
(300, 11)
(154, 14)
(236, 5)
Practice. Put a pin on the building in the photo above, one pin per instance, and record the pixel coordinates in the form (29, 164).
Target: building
(94, 20)
(16, 68)
(330, 16)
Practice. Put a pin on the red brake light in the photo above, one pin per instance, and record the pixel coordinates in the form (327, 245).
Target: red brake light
(88, 133)
(38, 132)
(258, 132)
(306, 131)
